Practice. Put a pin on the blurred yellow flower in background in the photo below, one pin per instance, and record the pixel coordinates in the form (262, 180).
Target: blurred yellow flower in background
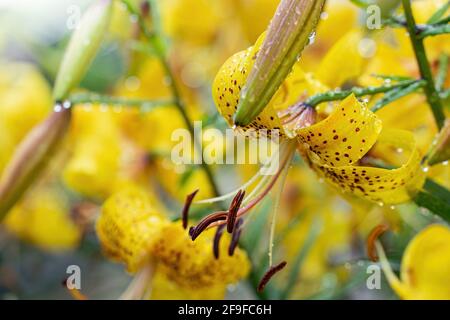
(425, 269)
(43, 220)
(25, 100)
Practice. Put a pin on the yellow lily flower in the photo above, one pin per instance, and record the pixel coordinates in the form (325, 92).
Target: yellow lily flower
(425, 268)
(132, 231)
(334, 146)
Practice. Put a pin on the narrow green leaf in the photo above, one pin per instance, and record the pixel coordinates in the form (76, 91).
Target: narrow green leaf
(397, 94)
(439, 13)
(361, 3)
(434, 203)
(392, 78)
(434, 30)
(437, 190)
(186, 176)
(145, 105)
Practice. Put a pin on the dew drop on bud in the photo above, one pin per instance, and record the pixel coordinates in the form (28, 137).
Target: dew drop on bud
(66, 105)
(57, 108)
(312, 38)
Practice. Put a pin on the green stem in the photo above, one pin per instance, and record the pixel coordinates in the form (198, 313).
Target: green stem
(154, 39)
(81, 98)
(424, 67)
(357, 91)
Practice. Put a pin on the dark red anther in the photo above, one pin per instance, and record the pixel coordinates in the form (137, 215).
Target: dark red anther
(187, 205)
(216, 243)
(233, 210)
(194, 232)
(235, 237)
(269, 274)
(145, 8)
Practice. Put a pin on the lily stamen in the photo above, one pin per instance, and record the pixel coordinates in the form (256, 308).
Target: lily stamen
(187, 205)
(299, 115)
(269, 274)
(75, 293)
(371, 240)
(235, 237)
(194, 232)
(233, 210)
(216, 242)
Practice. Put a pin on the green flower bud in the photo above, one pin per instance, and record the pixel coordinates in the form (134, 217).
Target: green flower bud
(31, 156)
(82, 48)
(288, 33)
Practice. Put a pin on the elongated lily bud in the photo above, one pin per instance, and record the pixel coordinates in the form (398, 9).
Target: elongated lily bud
(387, 7)
(82, 48)
(288, 33)
(31, 156)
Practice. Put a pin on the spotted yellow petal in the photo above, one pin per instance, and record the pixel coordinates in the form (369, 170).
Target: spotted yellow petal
(128, 227)
(163, 288)
(336, 144)
(192, 265)
(228, 84)
(345, 136)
